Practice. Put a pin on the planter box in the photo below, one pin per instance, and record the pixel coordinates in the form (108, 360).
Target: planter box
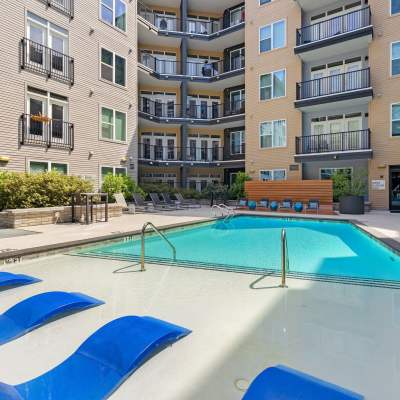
(24, 217)
(351, 205)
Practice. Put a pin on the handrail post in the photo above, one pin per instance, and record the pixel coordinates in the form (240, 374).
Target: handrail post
(283, 258)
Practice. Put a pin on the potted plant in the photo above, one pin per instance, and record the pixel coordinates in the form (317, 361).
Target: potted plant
(350, 191)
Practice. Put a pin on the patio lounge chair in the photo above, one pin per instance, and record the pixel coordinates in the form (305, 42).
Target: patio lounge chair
(286, 204)
(102, 363)
(141, 205)
(160, 204)
(313, 205)
(120, 200)
(186, 202)
(170, 202)
(281, 382)
(40, 309)
(7, 279)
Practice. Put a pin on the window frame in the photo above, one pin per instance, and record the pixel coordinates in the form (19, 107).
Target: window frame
(49, 165)
(273, 146)
(272, 85)
(391, 9)
(242, 142)
(391, 120)
(114, 167)
(124, 31)
(272, 36)
(391, 58)
(335, 169)
(264, 4)
(114, 140)
(114, 54)
(272, 171)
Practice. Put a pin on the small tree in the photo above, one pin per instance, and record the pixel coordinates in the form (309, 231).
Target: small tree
(237, 190)
(349, 185)
(121, 184)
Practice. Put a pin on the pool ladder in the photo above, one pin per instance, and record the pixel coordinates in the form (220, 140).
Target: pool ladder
(225, 210)
(159, 233)
(284, 258)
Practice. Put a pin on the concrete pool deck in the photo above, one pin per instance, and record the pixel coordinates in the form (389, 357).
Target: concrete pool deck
(241, 324)
(46, 238)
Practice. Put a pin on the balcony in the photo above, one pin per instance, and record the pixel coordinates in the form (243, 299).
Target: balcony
(42, 131)
(212, 71)
(203, 114)
(343, 89)
(64, 6)
(341, 145)
(161, 155)
(43, 60)
(342, 34)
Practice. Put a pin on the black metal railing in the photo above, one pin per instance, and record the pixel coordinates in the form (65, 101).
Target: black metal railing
(46, 61)
(334, 142)
(207, 69)
(170, 23)
(151, 152)
(169, 109)
(64, 6)
(335, 26)
(334, 84)
(42, 131)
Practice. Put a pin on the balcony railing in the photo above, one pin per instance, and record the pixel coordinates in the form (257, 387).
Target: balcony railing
(46, 61)
(64, 6)
(334, 84)
(334, 142)
(193, 69)
(171, 23)
(193, 111)
(36, 130)
(335, 26)
(150, 152)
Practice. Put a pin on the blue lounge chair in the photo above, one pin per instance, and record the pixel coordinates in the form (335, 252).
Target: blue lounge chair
(313, 205)
(286, 204)
(40, 309)
(102, 363)
(263, 203)
(8, 279)
(281, 382)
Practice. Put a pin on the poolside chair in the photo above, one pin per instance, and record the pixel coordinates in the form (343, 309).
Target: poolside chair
(286, 204)
(40, 309)
(8, 280)
(189, 203)
(102, 363)
(263, 203)
(167, 199)
(313, 205)
(160, 204)
(127, 208)
(242, 203)
(141, 205)
(281, 382)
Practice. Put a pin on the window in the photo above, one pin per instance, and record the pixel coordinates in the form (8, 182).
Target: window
(36, 167)
(395, 8)
(273, 175)
(273, 134)
(327, 173)
(262, 2)
(113, 125)
(113, 67)
(237, 142)
(113, 12)
(106, 170)
(395, 58)
(272, 36)
(273, 85)
(396, 119)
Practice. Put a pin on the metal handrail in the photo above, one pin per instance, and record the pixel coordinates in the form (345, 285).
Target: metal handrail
(284, 258)
(224, 208)
(155, 229)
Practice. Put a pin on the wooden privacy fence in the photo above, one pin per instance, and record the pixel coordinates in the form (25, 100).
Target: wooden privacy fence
(303, 191)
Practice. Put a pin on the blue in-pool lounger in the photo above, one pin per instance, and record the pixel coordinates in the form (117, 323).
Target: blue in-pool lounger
(284, 383)
(102, 363)
(9, 279)
(38, 310)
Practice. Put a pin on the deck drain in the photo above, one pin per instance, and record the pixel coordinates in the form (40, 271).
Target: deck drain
(242, 384)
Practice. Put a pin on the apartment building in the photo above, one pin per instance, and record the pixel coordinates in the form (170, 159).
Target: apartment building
(68, 77)
(323, 92)
(191, 75)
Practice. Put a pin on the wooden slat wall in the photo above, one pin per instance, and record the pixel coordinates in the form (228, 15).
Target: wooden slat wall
(295, 190)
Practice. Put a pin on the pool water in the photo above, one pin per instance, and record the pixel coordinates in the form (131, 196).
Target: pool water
(253, 244)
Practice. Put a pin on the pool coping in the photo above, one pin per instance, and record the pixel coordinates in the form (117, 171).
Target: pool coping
(16, 256)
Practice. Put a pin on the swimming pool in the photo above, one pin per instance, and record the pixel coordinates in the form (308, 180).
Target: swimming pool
(316, 249)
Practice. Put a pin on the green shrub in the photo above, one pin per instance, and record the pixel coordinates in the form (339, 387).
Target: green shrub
(18, 190)
(349, 185)
(121, 184)
(236, 191)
